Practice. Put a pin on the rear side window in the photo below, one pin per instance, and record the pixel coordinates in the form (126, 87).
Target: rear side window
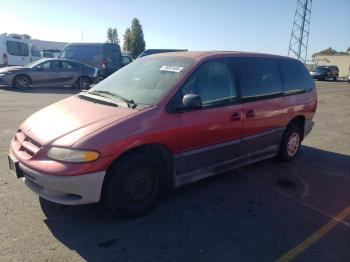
(17, 48)
(258, 77)
(35, 53)
(295, 77)
(88, 53)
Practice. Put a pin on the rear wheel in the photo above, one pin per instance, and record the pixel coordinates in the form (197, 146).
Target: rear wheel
(291, 142)
(21, 82)
(133, 187)
(84, 82)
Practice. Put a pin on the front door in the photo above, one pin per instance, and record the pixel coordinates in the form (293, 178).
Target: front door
(261, 92)
(209, 137)
(45, 74)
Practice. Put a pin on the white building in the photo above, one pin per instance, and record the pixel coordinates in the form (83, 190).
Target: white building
(42, 45)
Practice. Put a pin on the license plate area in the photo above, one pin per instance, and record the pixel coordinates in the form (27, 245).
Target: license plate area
(14, 166)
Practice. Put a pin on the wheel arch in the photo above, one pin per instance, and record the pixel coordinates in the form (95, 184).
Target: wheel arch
(22, 74)
(156, 149)
(300, 122)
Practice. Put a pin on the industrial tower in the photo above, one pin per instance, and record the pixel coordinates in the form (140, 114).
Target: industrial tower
(300, 33)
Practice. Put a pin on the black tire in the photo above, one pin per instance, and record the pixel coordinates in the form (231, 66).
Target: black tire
(84, 82)
(134, 185)
(21, 82)
(335, 78)
(290, 144)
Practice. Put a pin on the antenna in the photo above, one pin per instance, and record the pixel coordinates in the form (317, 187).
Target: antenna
(299, 38)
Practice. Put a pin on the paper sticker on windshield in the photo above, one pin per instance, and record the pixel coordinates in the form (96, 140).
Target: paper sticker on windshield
(176, 69)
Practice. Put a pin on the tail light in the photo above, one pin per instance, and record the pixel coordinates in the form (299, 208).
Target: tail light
(104, 64)
(5, 60)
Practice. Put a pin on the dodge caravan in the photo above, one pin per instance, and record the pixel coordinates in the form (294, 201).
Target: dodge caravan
(164, 120)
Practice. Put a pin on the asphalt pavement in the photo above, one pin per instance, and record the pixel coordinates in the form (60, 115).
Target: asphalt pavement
(267, 211)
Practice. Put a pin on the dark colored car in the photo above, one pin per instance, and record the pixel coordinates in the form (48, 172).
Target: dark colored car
(158, 51)
(325, 72)
(48, 72)
(165, 120)
(104, 56)
(126, 59)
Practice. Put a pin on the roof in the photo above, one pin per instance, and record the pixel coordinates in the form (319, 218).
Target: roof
(216, 54)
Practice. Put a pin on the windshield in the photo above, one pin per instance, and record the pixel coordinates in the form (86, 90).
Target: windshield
(145, 80)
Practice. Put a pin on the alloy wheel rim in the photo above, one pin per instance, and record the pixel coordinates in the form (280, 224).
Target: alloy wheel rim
(21, 82)
(293, 144)
(84, 83)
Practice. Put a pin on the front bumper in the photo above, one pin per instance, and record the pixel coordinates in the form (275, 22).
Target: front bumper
(67, 190)
(3, 82)
(318, 76)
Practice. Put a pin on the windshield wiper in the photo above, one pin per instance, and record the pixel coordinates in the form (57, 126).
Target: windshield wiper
(131, 103)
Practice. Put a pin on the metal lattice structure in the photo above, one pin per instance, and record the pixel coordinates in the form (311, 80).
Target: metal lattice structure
(300, 33)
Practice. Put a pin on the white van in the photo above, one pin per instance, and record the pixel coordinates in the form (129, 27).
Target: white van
(13, 51)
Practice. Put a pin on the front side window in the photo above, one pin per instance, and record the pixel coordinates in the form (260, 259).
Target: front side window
(295, 77)
(212, 81)
(257, 76)
(146, 80)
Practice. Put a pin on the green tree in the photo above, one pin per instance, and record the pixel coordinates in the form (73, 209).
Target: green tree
(137, 41)
(14, 35)
(112, 36)
(127, 40)
(25, 36)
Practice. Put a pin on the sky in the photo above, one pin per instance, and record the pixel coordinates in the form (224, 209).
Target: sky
(240, 25)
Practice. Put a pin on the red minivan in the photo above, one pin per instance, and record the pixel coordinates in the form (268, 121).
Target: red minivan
(164, 120)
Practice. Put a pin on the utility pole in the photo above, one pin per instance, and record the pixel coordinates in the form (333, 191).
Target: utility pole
(299, 37)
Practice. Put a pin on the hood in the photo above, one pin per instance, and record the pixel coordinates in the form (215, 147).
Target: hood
(70, 120)
(10, 69)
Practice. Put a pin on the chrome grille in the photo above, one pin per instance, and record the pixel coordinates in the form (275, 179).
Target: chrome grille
(26, 144)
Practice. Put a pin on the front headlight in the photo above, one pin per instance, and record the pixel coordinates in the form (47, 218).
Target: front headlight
(72, 155)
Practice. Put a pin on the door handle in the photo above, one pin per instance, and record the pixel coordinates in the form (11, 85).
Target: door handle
(235, 117)
(250, 114)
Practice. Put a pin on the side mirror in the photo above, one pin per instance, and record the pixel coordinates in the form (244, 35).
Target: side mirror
(191, 101)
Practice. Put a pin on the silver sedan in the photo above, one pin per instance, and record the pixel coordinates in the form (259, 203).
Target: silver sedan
(49, 72)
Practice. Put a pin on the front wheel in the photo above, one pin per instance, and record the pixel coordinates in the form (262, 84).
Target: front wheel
(21, 82)
(134, 186)
(84, 83)
(290, 144)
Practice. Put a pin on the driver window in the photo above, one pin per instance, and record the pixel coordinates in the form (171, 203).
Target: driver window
(213, 83)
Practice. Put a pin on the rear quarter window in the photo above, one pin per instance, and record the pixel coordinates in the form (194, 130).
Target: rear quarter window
(295, 77)
(258, 77)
